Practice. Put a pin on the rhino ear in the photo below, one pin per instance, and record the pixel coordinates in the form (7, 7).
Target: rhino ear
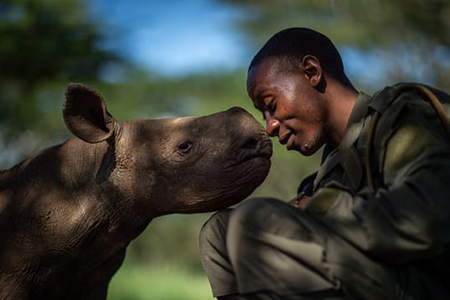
(85, 114)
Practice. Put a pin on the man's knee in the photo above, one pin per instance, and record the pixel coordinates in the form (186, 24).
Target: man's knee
(272, 216)
(214, 231)
(250, 215)
(253, 214)
(271, 245)
(214, 254)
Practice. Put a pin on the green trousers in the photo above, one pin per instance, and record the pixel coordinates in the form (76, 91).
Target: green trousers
(265, 249)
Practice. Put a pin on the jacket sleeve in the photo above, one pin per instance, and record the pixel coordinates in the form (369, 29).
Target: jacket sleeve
(408, 217)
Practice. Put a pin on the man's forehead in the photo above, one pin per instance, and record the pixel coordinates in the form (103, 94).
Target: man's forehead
(263, 73)
(267, 68)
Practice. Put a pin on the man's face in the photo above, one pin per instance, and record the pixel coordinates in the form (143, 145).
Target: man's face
(291, 106)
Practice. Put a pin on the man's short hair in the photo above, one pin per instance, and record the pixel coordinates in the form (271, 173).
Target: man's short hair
(292, 44)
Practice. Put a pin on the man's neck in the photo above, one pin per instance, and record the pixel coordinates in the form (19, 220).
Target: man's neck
(341, 102)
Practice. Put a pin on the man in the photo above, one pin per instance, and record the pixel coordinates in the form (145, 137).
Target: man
(373, 223)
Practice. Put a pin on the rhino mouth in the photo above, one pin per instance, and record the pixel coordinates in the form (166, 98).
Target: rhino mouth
(264, 150)
(252, 148)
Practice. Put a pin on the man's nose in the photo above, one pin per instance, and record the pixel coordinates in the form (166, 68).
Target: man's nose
(272, 126)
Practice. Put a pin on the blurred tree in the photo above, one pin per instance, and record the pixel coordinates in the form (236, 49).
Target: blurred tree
(409, 38)
(43, 40)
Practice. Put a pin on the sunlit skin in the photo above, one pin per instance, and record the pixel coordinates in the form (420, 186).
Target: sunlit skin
(300, 107)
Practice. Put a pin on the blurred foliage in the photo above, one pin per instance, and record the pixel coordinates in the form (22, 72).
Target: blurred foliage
(410, 39)
(45, 44)
(43, 40)
(159, 283)
(357, 22)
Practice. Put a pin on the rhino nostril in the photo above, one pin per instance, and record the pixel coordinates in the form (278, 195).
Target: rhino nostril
(251, 143)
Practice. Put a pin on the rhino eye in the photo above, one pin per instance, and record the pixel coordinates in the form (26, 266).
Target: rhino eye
(185, 146)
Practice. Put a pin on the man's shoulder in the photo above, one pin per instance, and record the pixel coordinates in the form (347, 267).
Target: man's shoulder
(407, 110)
(405, 92)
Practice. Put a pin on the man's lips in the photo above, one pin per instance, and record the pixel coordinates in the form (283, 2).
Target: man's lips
(284, 138)
(288, 139)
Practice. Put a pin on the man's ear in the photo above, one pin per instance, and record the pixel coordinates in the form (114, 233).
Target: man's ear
(85, 114)
(312, 69)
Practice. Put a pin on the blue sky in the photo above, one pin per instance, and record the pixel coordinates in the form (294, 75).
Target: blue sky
(175, 37)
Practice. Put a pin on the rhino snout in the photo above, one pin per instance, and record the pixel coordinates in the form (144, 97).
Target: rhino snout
(251, 143)
(254, 146)
(253, 140)
(257, 145)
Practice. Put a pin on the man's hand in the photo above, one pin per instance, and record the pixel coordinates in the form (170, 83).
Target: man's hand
(301, 201)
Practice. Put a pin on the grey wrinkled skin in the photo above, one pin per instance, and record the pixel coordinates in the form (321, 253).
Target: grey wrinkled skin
(68, 213)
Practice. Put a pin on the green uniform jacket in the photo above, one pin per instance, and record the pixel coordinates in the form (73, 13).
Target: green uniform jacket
(406, 219)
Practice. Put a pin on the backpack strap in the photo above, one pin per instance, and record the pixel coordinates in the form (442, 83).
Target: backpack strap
(381, 102)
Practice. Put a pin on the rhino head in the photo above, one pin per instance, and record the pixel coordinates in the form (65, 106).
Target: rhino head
(177, 165)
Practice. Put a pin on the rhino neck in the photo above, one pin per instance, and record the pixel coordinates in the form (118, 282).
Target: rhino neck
(100, 176)
(73, 177)
(83, 166)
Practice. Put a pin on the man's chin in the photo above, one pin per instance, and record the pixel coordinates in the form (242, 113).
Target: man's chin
(301, 150)
(306, 150)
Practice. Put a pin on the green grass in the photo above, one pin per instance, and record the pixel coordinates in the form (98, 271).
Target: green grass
(158, 283)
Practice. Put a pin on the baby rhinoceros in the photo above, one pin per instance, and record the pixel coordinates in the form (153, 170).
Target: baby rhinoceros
(68, 213)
